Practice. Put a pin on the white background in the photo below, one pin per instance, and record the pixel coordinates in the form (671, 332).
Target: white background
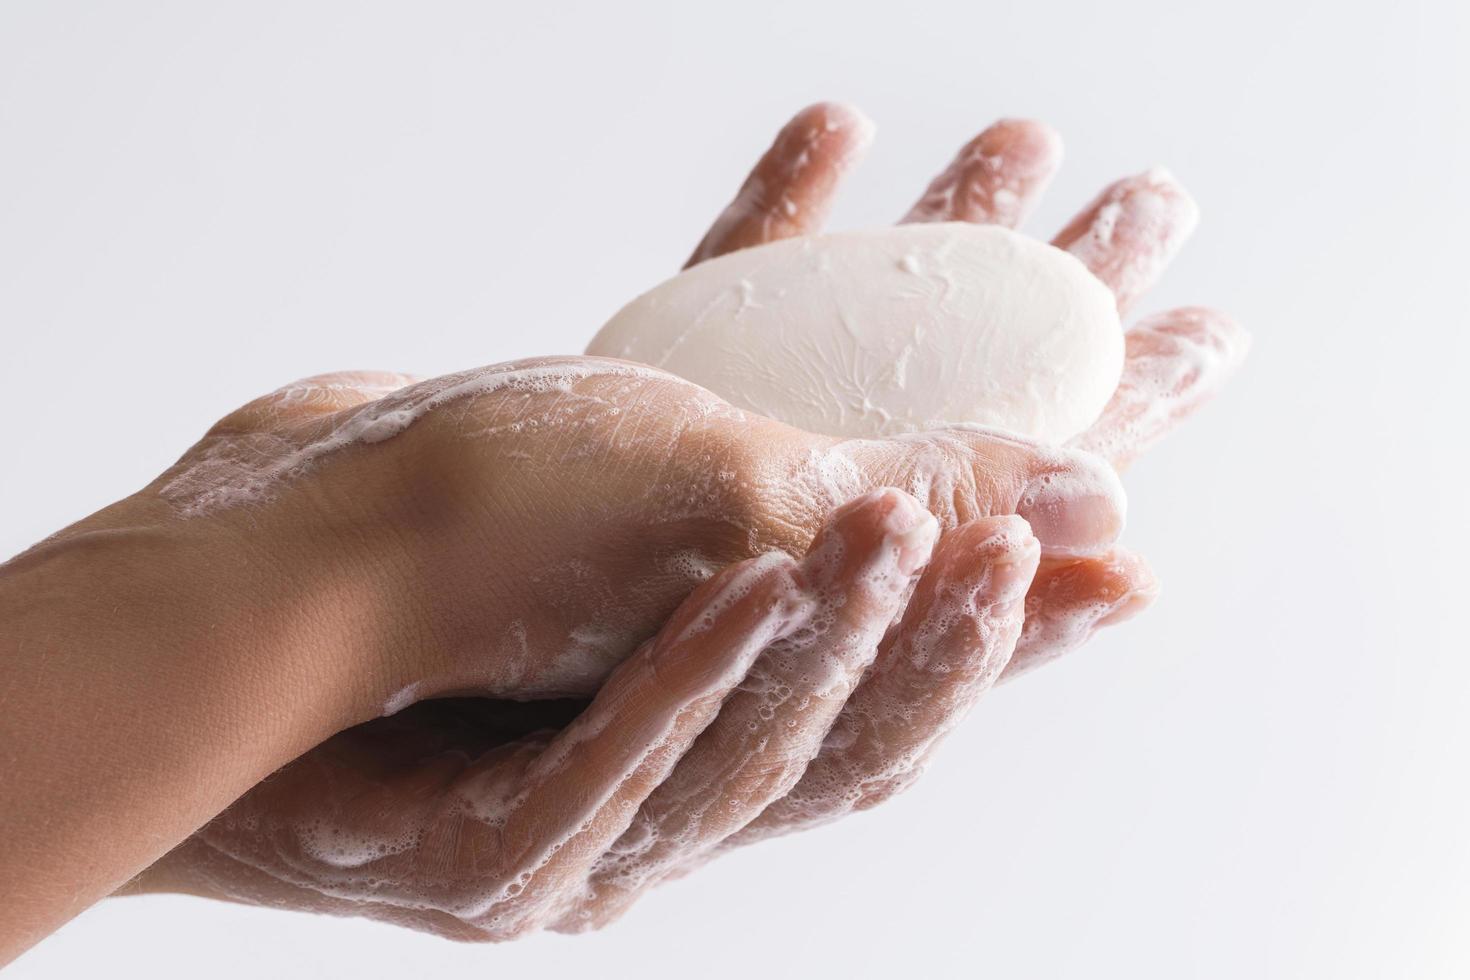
(1264, 777)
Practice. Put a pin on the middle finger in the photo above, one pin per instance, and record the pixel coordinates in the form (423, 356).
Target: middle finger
(996, 179)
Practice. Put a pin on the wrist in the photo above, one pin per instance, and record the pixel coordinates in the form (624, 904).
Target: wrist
(153, 673)
(154, 629)
(203, 609)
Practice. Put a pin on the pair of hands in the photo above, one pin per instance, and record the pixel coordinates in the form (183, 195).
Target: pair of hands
(489, 550)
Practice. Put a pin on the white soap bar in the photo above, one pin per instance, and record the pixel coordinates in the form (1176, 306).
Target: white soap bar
(875, 333)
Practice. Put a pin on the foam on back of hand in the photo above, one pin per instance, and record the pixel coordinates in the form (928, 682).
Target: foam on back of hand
(882, 332)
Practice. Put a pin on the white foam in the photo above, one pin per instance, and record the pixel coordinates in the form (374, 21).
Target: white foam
(237, 468)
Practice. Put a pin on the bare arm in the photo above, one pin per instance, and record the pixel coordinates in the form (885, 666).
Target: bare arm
(138, 696)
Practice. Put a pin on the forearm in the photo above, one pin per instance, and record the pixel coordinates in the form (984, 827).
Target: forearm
(146, 680)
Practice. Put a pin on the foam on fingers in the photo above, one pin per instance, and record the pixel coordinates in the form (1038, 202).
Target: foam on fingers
(654, 706)
(858, 572)
(1073, 500)
(1131, 231)
(1071, 599)
(499, 844)
(1175, 362)
(791, 188)
(996, 178)
(956, 635)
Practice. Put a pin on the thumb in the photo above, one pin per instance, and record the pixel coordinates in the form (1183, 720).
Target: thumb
(1072, 499)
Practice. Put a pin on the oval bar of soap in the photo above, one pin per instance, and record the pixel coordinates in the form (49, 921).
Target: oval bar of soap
(874, 333)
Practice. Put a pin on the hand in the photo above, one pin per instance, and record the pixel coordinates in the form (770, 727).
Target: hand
(1176, 360)
(996, 178)
(445, 818)
(672, 482)
(324, 557)
(349, 545)
(515, 531)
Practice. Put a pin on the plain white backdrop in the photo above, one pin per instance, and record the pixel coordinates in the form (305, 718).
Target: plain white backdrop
(1266, 776)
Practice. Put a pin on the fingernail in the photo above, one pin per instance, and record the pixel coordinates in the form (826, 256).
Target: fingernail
(1076, 507)
(913, 530)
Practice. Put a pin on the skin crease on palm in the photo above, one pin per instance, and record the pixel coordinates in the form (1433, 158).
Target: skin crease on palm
(529, 525)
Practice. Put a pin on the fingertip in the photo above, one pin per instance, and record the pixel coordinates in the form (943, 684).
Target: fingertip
(1128, 607)
(1003, 538)
(909, 528)
(1115, 588)
(791, 188)
(841, 118)
(836, 114)
(1220, 332)
(1134, 569)
(1176, 361)
(1185, 354)
(996, 178)
(1161, 179)
(882, 519)
(1158, 190)
(1031, 141)
(1130, 587)
(1074, 503)
(1150, 211)
(1004, 548)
